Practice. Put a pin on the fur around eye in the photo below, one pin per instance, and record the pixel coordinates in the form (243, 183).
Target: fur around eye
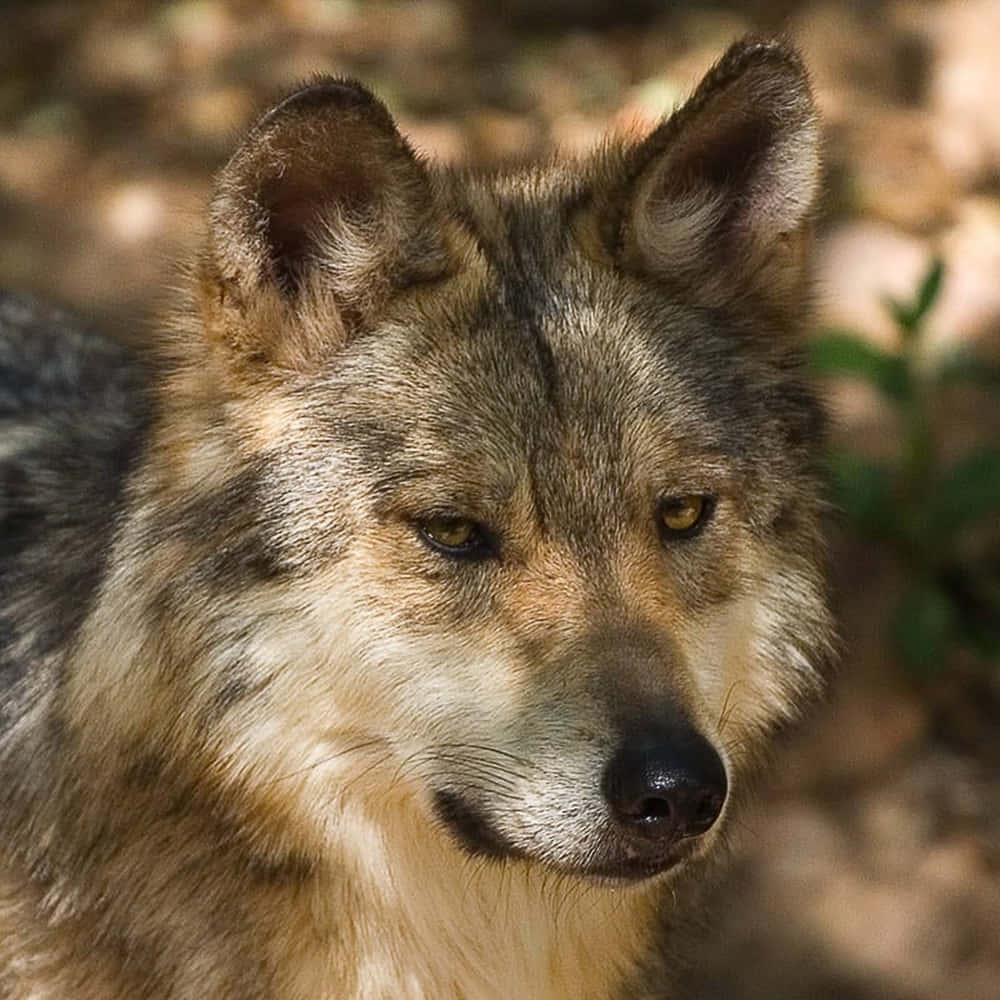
(457, 537)
(684, 515)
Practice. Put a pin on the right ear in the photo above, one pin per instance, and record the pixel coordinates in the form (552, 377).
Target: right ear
(720, 196)
(321, 215)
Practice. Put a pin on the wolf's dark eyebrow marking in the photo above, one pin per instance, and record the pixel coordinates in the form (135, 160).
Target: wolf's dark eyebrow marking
(437, 490)
(399, 479)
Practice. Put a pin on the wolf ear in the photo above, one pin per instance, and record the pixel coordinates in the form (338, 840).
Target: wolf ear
(721, 193)
(321, 215)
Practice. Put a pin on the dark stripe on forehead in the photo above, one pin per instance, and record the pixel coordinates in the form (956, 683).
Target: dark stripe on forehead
(529, 280)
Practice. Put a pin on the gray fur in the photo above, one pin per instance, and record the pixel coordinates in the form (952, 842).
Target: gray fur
(73, 414)
(228, 644)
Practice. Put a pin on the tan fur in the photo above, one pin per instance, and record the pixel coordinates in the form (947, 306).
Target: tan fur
(295, 749)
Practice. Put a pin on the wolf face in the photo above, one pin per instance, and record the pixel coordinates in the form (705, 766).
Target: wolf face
(479, 518)
(533, 465)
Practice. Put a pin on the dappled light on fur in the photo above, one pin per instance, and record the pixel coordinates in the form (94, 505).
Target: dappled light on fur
(271, 737)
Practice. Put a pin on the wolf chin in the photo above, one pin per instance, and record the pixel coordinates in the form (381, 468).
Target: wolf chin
(414, 624)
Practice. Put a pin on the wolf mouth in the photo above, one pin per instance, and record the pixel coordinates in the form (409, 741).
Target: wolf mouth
(478, 837)
(623, 871)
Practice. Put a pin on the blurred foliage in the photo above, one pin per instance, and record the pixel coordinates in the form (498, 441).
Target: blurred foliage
(940, 518)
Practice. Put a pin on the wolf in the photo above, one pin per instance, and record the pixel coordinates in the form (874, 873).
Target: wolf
(414, 621)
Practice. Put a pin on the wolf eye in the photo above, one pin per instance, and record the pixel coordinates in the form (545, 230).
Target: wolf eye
(454, 536)
(685, 515)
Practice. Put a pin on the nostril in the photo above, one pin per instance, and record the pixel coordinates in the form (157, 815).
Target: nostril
(652, 810)
(667, 787)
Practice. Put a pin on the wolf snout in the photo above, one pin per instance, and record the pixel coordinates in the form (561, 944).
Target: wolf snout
(662, 786)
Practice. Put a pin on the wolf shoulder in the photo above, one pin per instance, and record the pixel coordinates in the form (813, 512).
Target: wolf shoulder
(73, 415)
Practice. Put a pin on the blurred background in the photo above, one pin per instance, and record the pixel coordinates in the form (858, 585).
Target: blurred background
(870, 867)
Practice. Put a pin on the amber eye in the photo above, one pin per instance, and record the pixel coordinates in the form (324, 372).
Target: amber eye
(684, 515)
(454, 536)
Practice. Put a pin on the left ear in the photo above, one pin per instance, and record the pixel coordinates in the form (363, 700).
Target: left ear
(320, 218)
(720, 195)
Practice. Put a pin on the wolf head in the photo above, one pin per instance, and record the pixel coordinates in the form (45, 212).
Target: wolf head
(493, 499)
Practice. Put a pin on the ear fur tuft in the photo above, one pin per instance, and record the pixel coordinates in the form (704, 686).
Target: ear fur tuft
(720, 191)
(322, 214)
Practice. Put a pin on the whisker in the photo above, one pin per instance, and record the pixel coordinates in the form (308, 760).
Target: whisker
(727, 708)
(486, 749)
(379, 741)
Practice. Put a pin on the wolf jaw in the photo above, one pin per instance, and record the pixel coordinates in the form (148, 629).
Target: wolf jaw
(345, 762)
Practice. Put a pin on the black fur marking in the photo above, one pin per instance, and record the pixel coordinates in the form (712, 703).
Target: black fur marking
(21, 517)
(250, 558)
(11, 669)
(232, 692)
(284, 870)
(375, 442)
(235, 517)
(470, 828)
(237, 687)
(526, 298)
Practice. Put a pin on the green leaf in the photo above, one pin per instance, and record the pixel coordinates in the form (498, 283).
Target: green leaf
(864, 491)
(968, 492)
(929, 290)
(923, 626)
(838, 353)
(961, 365)
(909, 315)
(904, 315)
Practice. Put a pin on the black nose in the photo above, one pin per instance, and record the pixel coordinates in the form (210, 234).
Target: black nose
(667, 784)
